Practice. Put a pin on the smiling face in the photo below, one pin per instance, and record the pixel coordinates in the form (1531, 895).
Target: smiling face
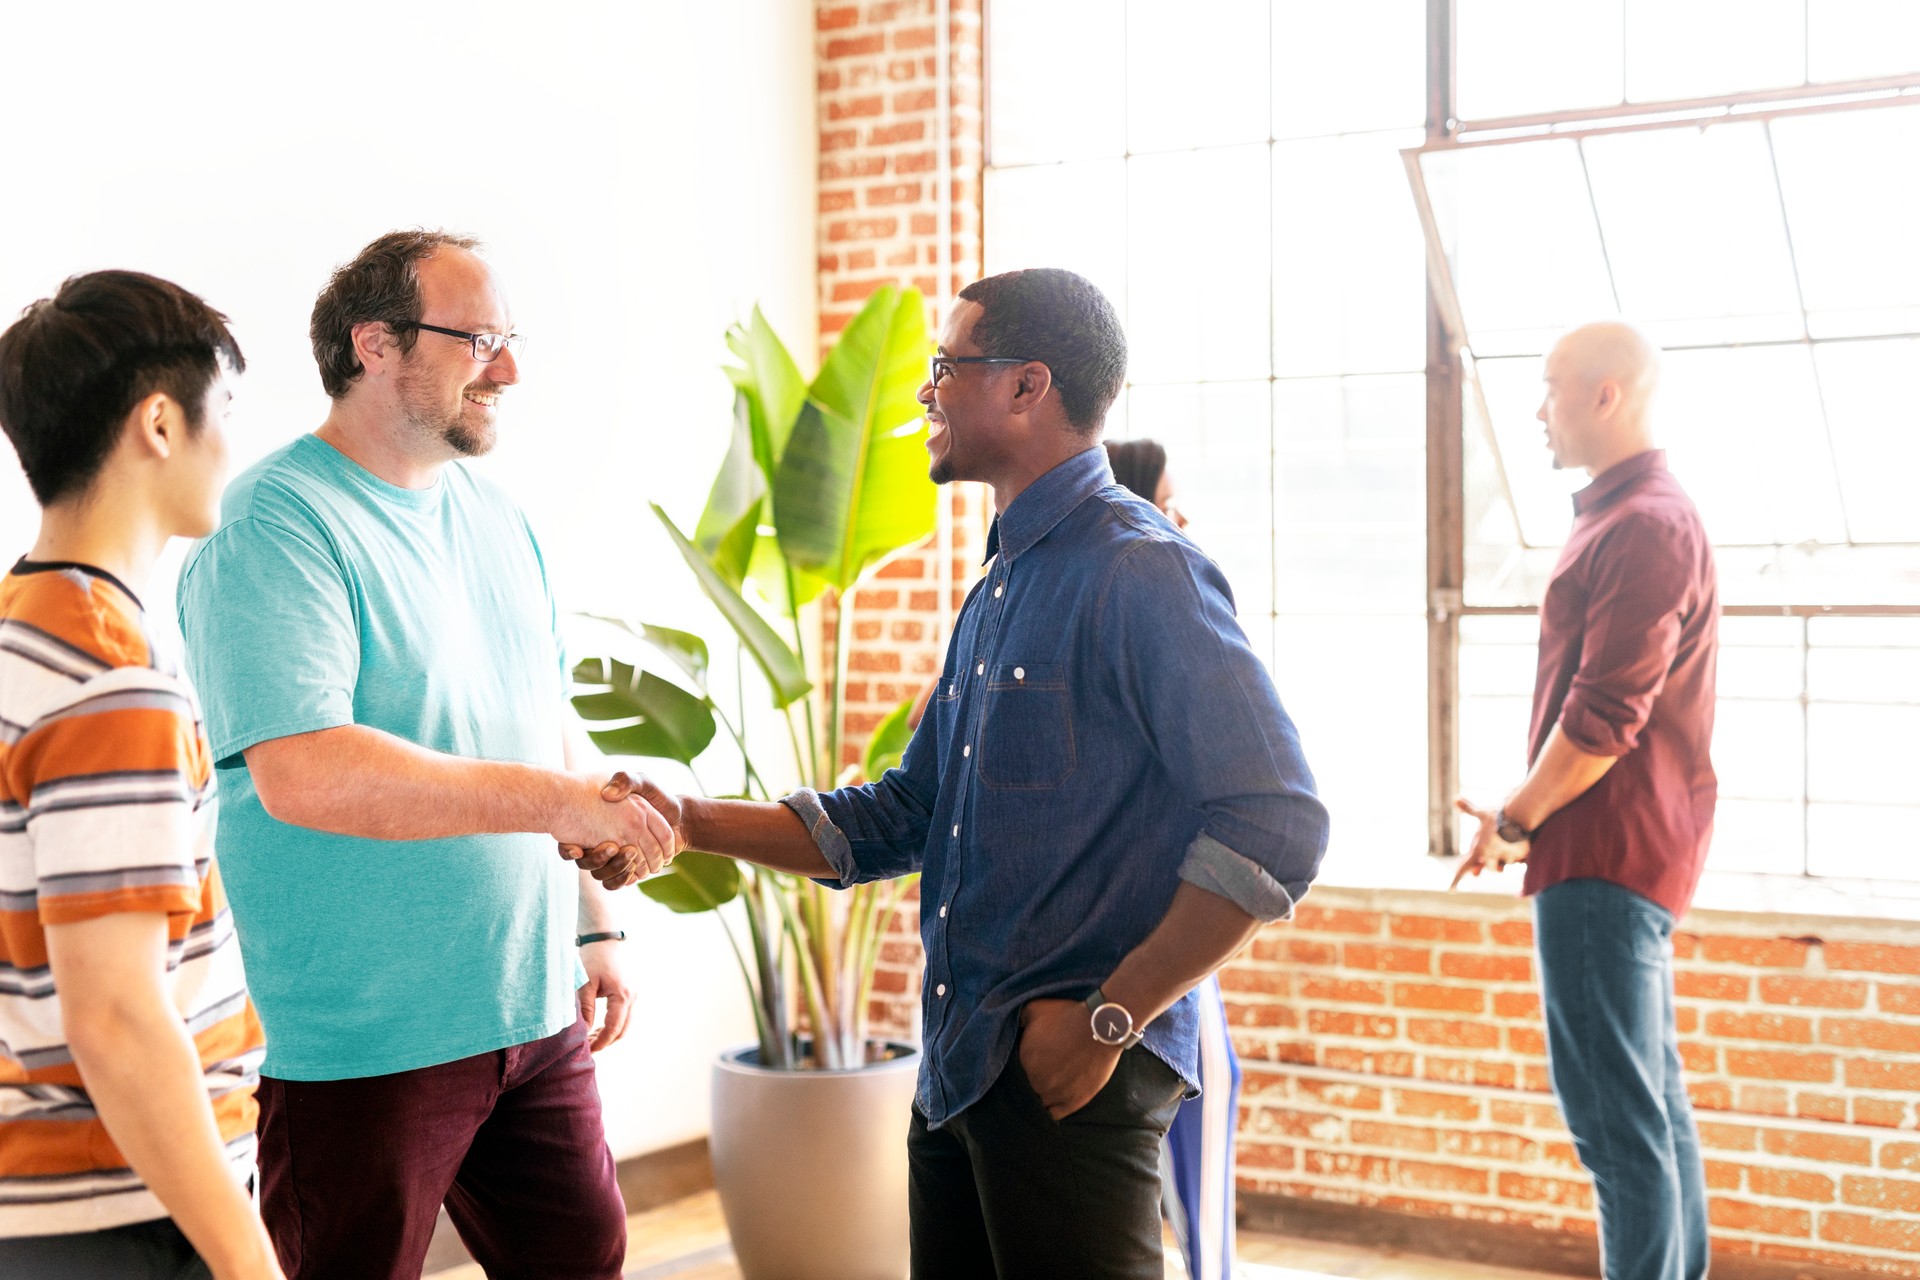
(966, 411)
(444, 392)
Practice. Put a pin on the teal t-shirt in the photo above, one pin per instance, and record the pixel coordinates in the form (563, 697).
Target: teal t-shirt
(329, 597)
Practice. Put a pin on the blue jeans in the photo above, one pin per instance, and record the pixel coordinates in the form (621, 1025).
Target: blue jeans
(1606, 979)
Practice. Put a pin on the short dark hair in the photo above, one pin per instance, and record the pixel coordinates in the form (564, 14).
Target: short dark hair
(1063, 321)
(1138, 465)
(381, 284)
(73, 366)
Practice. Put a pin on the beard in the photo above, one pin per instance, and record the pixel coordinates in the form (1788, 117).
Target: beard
(430, 418)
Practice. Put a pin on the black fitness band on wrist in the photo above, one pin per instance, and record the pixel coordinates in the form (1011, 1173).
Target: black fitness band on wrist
(618, 935)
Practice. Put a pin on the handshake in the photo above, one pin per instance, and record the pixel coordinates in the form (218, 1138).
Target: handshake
(635, 832)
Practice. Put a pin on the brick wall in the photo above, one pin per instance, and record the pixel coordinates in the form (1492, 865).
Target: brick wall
(1395, 1058)
(883, 126)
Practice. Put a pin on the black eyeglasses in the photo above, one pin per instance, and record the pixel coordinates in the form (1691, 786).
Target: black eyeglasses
(486, 346)
(941, 367)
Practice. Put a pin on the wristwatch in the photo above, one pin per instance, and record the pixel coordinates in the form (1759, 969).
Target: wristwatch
(1509, 830)
(1112, 1024)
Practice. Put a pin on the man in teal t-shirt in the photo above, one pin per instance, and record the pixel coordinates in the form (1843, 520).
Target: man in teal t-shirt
(373, 637)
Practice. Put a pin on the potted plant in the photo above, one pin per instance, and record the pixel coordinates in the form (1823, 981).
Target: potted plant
(821, 483)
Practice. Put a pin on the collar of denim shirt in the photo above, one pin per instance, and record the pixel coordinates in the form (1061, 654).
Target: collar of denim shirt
(1046, 502)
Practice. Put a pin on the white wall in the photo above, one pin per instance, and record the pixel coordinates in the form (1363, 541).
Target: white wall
(642, 174)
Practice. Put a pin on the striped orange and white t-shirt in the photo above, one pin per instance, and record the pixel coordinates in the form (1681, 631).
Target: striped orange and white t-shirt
(106, 805)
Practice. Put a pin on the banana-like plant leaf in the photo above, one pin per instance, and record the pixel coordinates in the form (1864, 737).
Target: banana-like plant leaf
(695, 882)
(667, 722)
(687, 651)
(889, 742)
(776, 387)
(768, 573)
(852, 486)
(770, 653)
(730, 524)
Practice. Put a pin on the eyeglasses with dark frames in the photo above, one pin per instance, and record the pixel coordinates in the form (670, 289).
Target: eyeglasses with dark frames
(940, 368)
(486, 346)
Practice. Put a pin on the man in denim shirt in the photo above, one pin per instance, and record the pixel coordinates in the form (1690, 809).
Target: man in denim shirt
(1105, 798)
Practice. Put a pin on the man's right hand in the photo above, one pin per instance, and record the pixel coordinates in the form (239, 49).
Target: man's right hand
(616, 822)
(614, 864)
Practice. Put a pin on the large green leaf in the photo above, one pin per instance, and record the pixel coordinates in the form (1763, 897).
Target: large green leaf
(889, 742)
(665, 721)
(775, 660)
(729, 526)
(688, 651)
(852, 486)
(774, 384)
(694, 882)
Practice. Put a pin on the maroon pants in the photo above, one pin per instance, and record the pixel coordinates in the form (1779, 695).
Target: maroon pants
(353, 1172)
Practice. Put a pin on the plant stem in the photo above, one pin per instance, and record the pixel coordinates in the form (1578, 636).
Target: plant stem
(824, 1047)
(800, 653)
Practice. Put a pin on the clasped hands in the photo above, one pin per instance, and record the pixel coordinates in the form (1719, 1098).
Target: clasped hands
(1489, 851)
(650, 834)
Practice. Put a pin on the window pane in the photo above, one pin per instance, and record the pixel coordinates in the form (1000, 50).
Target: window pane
(1694, 234)
(1757, 749)
(1858, 39)
(1196, 72)
(1348, 67)
(1758, 835)
(1745, 435)
(1543, 495)
(1869, 392)
(1699, 48)
(1047, 106)
(1518, 228)
(1851, 189)
(1219, 458)
(1349, 264)
(1518, 57)
(1870, 841)
(1350, 494)
(1197, 236)
(1060, 215)
(1862, 754)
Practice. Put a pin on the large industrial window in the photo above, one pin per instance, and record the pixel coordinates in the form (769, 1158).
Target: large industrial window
(1357, 446)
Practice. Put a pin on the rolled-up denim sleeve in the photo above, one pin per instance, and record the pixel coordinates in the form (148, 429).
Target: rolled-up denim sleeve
(1209, 707)
(1639, 596)
(877, 831)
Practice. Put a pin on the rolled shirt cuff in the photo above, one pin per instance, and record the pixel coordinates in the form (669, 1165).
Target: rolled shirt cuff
(1212, 866)
(830, 840)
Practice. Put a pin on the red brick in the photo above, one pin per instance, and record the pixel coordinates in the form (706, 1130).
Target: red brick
(1883, 1075)
(1777, 1027)
(863, 229)
(867, 629)
(1728, 1137)
(923, 601)
(1452, 1033)
(916, 162)
(1761, 953)
(1369, 955)
(1824, 1148)
(1894, 1195)
(1331, 1023)
(1427, 995)
(1482, 967)
(862, 722)
(1298, 1124)
(907, 566)
(1263, 1015)
(1499, 1075)
(869, 598)
(1742, 1215)
(1429, 1105)
(860, 259)
(907, 632)
(1263, 981)
(1820, 1106)
(1442, 1177)
(1791, 1184)
(1517, 1004)
(1856, 1228)
(1817, 993)
(839, 18)
(864, 107)
(1686, 1020)
(1691, 984)
(838, 139)
(1901, 1155)
(1873, 956)
(1763, 1100)
(1512, 933)
(1871, 1033)
(914, 38)
(870, 661)
(1882, 1113)
(1369, 1062)
(1723, 1175)
(1899, 999)
(1771, 1064)
(1560, 1191)
(1533, 1115)
(1341, 990)
(855, 46)
(1346, 1165)
(835, 202)
(908, 101)
(1264, 1155)
(1710, 1095)
(1402, 1137)
(902, 70)
(1434, 929)
(892, 135)
(1686, 945)
(1295, 950)
(1337, 1093)
(1701, 1058)
(1527, 1040)
(923, 224)
(1337, 920)
(895, 193)
(1511, 1148)
(891, 981)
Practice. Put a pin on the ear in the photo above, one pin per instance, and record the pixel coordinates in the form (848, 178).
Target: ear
(1030, 387)
(156, 426)
(1606, 398)
(374, 343)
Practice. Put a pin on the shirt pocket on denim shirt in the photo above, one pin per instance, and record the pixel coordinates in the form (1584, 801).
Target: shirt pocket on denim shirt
(1026, 735)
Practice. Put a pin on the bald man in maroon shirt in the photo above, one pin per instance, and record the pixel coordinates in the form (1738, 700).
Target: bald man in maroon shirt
(1614, 816)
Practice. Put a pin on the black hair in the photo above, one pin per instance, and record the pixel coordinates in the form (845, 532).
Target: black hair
(1138, 465)
(381, 284)
(1063, 321)
(73, 366)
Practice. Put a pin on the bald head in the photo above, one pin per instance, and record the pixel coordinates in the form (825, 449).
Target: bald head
(1600, 383)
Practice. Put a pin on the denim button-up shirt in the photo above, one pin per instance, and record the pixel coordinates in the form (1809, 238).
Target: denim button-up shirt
(1101, 732)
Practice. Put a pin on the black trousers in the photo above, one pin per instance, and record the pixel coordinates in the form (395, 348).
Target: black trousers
(141, 1251)
(1005, 1192)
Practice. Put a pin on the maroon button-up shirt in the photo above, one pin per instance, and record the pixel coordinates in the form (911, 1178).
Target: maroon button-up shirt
(1629, 636)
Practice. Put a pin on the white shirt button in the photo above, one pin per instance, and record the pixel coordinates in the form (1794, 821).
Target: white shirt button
(940, 990)
(980, 670)
(943, 911)
(967, 750)
(1019, 673)
(997, 592)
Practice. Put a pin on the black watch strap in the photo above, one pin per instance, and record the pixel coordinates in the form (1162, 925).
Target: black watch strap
(1509, 830)
(618, 935)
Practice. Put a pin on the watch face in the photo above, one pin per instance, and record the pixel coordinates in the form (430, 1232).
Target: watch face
(1112, 1024)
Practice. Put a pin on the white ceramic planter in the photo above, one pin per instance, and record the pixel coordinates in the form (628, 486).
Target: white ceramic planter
(811, 1167)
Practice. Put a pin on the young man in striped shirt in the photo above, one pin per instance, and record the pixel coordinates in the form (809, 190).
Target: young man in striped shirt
(129, 1049)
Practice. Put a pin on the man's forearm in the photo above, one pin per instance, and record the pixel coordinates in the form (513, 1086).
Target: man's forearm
(1560, 775)
(358, 781)
(768, 835)
(1200, 932)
